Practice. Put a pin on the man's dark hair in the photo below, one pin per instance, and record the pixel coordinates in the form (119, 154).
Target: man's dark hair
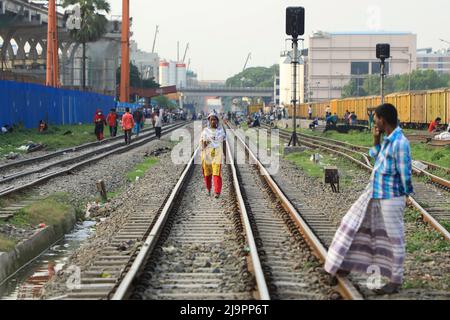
(388, 112)
(438, 119)
(127, 109)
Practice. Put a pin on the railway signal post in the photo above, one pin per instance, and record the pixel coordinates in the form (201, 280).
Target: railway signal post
(295, 26)
(383, 51)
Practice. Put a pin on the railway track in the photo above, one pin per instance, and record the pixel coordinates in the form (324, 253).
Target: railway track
(433, 206)
(196, 247)
(36, 171)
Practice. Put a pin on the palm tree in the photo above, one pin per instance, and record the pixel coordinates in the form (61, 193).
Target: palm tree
(93, 24)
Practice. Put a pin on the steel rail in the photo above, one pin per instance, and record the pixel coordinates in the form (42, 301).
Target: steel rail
(256, 262)
(9, 191)
(345, 287)
(442, 182)
(74, 159)
(152, 239)
(61, 152)
(426, 215)
(150, 243)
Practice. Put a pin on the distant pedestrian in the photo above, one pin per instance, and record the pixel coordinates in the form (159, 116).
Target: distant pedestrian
(434, 126)
(347, 117)
(158, 125)
(371, 116)
(127, 125)
(327, 111)
(353, 118)
(138, 117)
(372, 233)
(43, 127)
(100, 123)
(310, 113)
(112, 123)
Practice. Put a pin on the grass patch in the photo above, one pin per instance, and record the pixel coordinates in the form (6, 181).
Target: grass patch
(302, 160)
(347, 171)
(446, 225)
(140, 170)
(422, 239)
(6, 245)
(419, 151)
(415, 284)
(51, 211)
(54, 138)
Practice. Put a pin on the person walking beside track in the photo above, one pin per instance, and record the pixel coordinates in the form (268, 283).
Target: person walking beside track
(138, 117)
(112, 122)
(213, 144)
(158, 125)
(371, 236)
(100, 123)
(127, 125)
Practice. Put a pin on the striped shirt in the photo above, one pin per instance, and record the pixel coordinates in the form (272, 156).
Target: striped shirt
(391, 177)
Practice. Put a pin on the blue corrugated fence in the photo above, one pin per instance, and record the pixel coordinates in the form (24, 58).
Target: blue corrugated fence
(27, 103)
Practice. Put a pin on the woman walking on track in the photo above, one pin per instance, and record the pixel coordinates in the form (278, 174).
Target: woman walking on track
(213, 143)
(100, 123)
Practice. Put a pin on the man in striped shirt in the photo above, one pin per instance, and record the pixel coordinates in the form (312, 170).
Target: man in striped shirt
(391, 180)
(392, 172)
(371, 237)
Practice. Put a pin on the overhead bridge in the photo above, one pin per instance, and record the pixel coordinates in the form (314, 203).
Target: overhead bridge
(266, 92)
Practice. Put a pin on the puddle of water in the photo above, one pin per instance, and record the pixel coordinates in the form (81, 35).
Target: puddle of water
(28, 282)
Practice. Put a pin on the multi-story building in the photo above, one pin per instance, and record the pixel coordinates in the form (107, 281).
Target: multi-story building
(286, 79)
(438, 61)
(146, 62)
(334, 59)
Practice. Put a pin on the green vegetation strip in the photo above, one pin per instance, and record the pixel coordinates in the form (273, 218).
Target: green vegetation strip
(316, 170)
(50, 211)
(6, 245)
(57, 137)
(140, 170)
(420, 151)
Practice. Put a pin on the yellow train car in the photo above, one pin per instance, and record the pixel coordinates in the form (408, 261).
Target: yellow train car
(403, 106)
(447, 93)
(417, 108)
(334, 106)
(436, 105)
(255, 108)
(418, 105)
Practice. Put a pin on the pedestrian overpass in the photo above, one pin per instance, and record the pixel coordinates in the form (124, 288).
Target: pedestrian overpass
(233, 92)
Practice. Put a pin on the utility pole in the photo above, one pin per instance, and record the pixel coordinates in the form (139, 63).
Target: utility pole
(52, 68)
(154, 39)
(125, 66)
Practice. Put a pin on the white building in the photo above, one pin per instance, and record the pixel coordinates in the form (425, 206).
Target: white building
(286, 79)
(438, 61)
(172, 73)
(336, 58)
(146, 62)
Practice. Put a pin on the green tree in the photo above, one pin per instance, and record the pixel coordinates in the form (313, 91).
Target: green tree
(164, 102)
(254, 77)
(420, 80)
(136, 78)
(93, 24)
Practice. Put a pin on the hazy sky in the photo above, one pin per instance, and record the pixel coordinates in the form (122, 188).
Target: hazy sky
(222, 32)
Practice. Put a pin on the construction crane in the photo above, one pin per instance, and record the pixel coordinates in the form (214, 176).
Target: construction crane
(154, 39)
(246, 62)
(185, 52)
